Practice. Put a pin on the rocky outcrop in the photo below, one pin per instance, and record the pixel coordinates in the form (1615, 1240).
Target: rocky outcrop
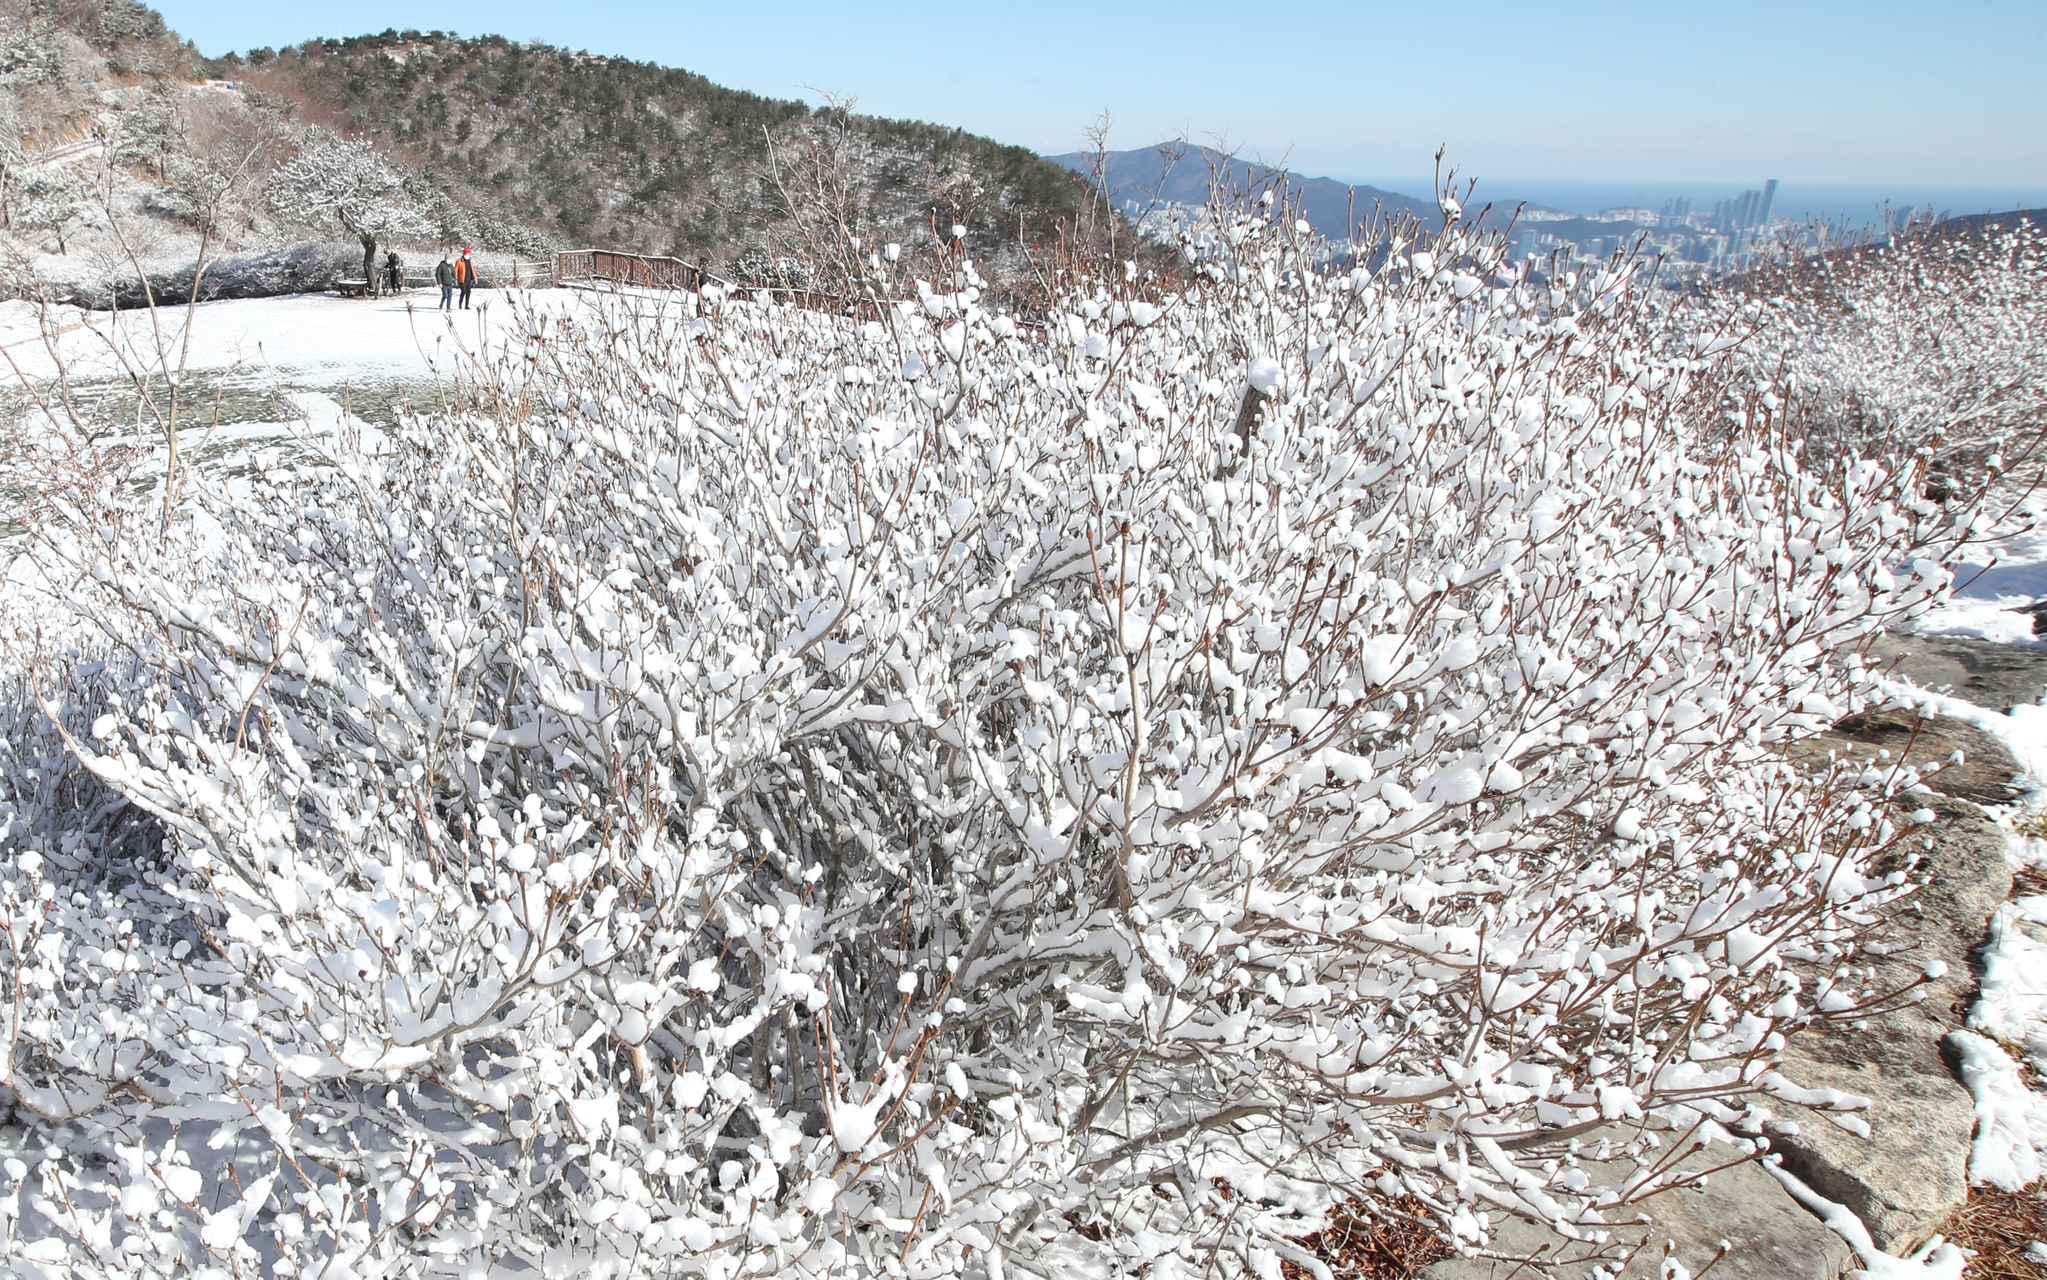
(1997, 676)
(1912, 1170)
(1904, 1179)
(300, 268)
(1769, 1236)
(1984, 774)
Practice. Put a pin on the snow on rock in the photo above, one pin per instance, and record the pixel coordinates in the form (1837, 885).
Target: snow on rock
(2012, 1002)
(2011, 1117)
(2010, 1134)
(1935, 1260)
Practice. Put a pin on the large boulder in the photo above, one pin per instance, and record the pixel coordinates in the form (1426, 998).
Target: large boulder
(1989, 674)
(301, 268)
(1984, 775)
(1904, 1179)
(1769, 1236)
(1911, 1172)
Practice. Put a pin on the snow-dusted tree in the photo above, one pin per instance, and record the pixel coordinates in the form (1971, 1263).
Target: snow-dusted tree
(351, 182)
(12, 162)
(48, 198)
(152, 130)
(766, 793)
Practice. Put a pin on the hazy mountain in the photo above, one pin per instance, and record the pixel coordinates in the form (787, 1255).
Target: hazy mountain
(1184, 173)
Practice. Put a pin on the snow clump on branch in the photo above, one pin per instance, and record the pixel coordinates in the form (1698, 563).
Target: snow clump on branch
(770, 793)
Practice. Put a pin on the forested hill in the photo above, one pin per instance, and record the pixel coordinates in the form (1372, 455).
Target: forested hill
(608, 151)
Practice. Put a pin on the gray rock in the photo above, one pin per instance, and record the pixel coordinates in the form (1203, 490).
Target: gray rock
(300, 268)
(1984, 776)
(1769, 1235)
(1989, 674)
(1911, 1173)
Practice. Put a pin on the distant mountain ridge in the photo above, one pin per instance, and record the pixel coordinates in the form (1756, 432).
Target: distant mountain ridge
(1970, 224)
(1184, 173)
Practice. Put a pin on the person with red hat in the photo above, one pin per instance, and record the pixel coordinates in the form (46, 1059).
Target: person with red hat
(465, 277)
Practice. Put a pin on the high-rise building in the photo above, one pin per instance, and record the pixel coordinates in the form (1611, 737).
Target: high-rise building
(1769, 198)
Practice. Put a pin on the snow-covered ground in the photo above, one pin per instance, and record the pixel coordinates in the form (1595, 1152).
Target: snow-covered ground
(270, 373)
(1988, 592)
(261, 373)
(307, 340)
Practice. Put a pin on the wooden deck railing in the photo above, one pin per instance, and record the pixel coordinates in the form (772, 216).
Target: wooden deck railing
(572, 266)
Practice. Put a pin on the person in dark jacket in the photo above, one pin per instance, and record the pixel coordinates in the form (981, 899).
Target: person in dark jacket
(465, 277)
(394, 272)
(444, 276)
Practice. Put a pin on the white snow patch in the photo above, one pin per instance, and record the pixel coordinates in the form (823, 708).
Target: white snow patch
(2023, 730)
(1936, 1260)
(2011, 575)
(2012, 1003)
(317, 339)
(2011, 1119)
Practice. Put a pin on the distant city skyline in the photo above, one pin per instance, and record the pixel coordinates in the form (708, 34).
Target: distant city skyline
(1856, 203)
(1875, 93)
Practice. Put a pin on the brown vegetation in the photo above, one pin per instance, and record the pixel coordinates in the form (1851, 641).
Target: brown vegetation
(1997, 1226)
(1358, 1245)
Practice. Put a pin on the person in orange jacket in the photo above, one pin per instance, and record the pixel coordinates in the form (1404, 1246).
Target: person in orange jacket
(465, 276)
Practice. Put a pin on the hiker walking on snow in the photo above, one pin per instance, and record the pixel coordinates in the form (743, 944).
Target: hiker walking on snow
(444, 276)
(394, 273)
(465, 277)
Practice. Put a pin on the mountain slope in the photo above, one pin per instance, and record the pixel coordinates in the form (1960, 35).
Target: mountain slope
(55, 58)
(599, 150)
(1183, 173)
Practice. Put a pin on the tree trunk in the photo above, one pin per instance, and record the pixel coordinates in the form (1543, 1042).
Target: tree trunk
(369, 262)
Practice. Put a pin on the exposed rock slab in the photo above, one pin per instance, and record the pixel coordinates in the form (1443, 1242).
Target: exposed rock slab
(1984, 775)
(1770, 1236)
(1912, 1171)
(1989, 674)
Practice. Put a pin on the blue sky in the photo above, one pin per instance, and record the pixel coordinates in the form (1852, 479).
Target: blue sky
(1875, 92)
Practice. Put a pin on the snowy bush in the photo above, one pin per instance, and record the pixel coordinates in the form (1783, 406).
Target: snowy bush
(771, 793)
(1926, 343)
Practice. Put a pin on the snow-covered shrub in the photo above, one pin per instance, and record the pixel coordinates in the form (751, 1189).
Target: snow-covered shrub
(758, 267)
(771, 793)
(1927, 342)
